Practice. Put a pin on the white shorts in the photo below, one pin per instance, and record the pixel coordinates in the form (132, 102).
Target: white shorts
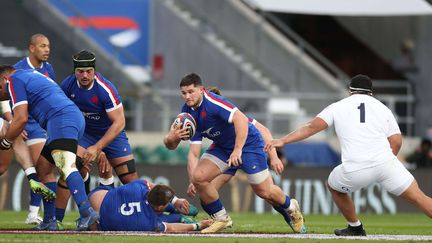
(392, 176)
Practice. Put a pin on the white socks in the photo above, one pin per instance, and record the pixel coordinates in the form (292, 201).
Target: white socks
(354, 224)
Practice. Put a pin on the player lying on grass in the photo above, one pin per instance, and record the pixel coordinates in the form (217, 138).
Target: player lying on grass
(137, 206)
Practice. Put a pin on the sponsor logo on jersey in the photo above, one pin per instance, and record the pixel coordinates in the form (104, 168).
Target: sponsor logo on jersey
(92, 116)
(211, 134)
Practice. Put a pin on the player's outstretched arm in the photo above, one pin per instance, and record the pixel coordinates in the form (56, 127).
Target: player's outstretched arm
(179, 227)
(303, 132)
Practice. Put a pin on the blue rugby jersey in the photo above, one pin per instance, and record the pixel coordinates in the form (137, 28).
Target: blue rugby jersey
(44, 97)
(32, 127)
(46, 68)
(214, 121)
(126, 208)
(95, 102)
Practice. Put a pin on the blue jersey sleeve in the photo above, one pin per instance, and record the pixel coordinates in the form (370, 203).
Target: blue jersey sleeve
(109, 95)
(220, 106)
(17, 92)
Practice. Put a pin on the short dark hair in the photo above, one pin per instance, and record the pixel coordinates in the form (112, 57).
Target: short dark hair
(214, 90)
(160, 195)
(191, 78)
(6, 68)
(360, 84)
(84, 59)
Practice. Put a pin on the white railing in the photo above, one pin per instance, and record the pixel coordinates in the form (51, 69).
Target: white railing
(404, 101)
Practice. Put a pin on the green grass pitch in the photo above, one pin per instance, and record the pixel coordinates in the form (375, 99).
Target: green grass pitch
(399, 224)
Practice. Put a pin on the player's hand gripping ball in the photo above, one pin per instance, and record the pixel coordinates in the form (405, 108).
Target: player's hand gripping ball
(186, 120)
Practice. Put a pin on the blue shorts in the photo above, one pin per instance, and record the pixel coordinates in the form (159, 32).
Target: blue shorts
(35, 133)
(231, 171)
(100, 188)
(119, 147)
(253, 162)
(69, 124)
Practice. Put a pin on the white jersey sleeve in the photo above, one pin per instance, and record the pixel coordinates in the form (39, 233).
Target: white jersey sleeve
(393, 127)
(327, 114)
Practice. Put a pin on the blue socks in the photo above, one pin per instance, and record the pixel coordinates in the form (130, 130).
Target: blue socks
(213, 208)
(49, 207)
(282, 209)
(60, 213)
(287, 202)
(77, 191)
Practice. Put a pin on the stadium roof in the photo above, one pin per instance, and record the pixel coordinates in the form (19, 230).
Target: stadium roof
(346, 7)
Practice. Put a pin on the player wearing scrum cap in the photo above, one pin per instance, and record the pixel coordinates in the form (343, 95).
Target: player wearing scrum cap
(370, 140)
(100, 103)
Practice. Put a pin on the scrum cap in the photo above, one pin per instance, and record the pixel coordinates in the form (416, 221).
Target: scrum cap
(84, 59)
(361, 84)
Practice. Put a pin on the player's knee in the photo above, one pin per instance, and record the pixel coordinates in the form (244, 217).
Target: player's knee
(199, 178)
(65, 161)
(126, 171)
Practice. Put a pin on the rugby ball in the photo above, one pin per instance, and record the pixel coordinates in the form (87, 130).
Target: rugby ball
(186, 120)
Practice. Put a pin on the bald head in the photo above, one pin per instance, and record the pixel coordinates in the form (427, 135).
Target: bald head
(39, 49)
(34, 38)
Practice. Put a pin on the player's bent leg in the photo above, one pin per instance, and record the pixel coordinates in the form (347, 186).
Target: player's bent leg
(416, 196)
(124, 168)
(5, 160)
(205, 172)
(35, 146)
(64, 155)
(289, 208)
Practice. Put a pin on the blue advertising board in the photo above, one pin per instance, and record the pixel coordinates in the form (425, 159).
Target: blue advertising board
(121, 27)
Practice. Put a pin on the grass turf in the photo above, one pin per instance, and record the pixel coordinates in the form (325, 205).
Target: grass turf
(399, 224)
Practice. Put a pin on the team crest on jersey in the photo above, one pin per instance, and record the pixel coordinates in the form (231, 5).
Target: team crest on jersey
(94, 99)
(203, 114)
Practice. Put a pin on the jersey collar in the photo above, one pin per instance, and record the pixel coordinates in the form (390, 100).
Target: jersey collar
(89, 88)
(31, 65)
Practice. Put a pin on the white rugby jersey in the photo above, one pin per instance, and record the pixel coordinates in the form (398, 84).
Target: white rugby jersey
(362, 124)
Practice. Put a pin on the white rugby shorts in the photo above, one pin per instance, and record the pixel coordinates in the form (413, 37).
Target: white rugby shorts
(392, 176)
